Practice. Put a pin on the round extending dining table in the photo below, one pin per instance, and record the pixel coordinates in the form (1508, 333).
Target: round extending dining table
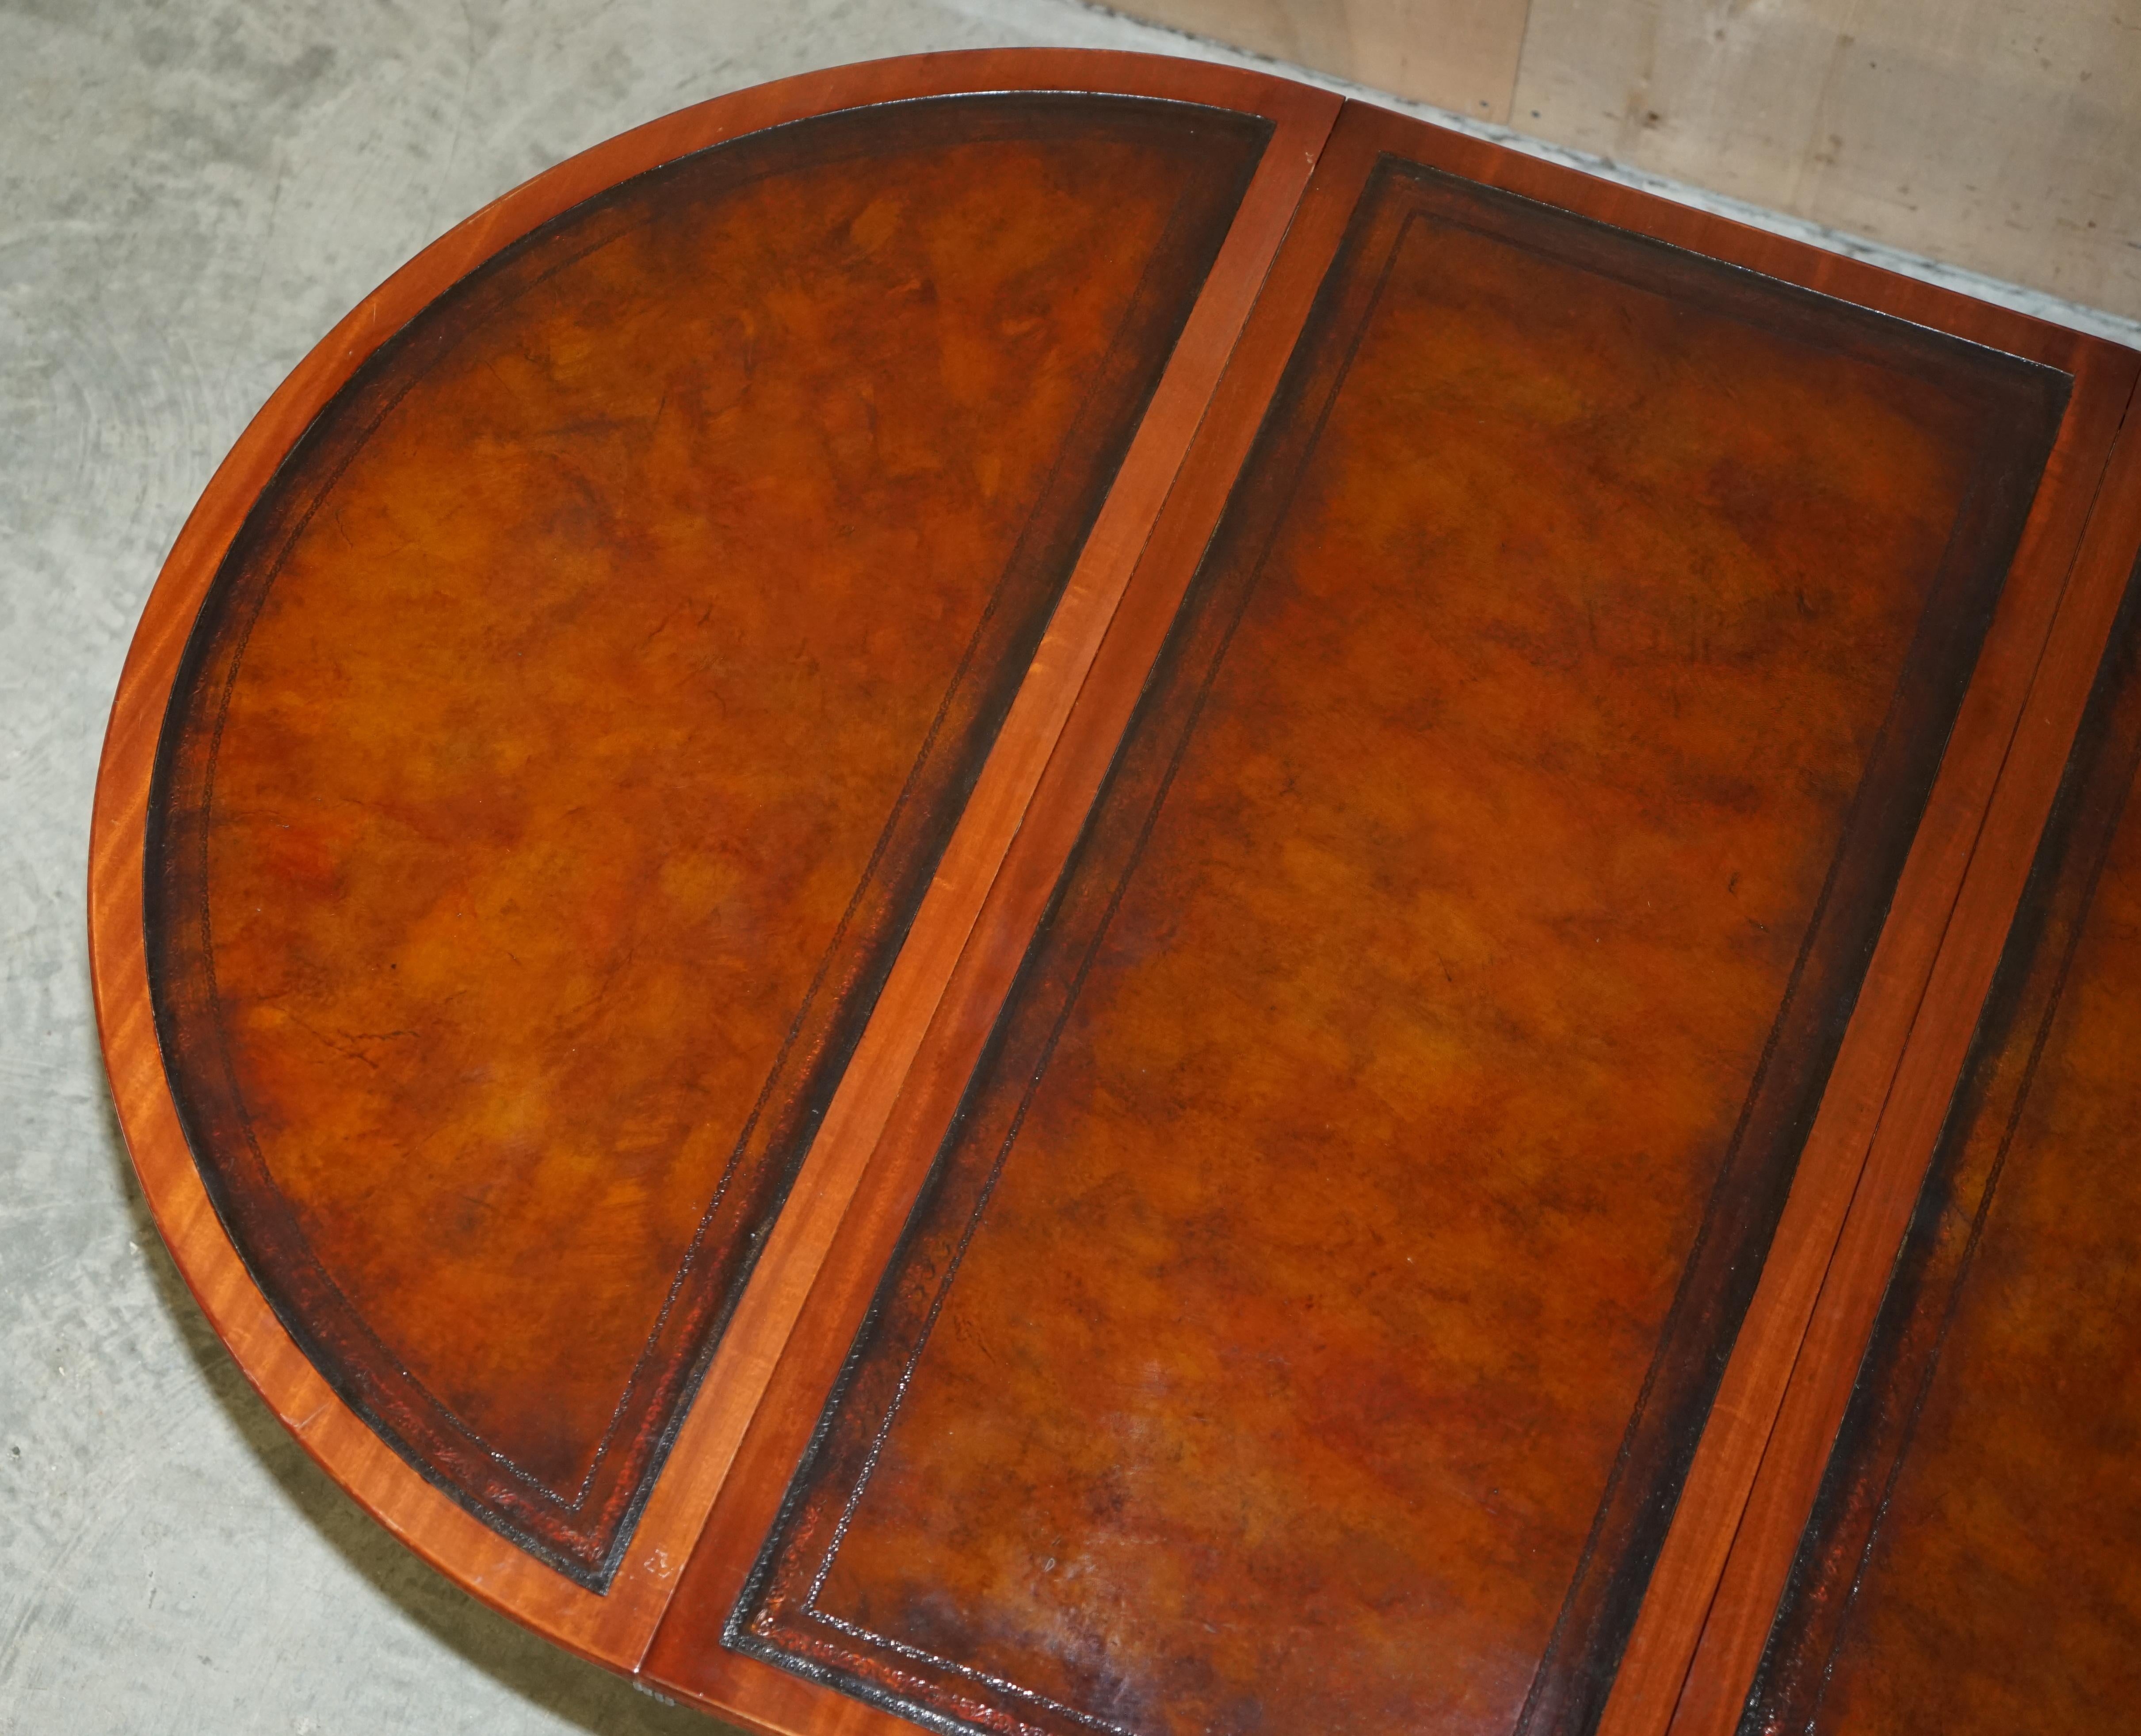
(1050, 892)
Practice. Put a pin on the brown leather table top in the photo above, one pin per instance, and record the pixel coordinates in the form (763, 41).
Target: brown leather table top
(1057, 893)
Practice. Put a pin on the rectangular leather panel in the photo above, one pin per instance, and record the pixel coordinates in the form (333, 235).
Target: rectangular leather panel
(1318, 1297)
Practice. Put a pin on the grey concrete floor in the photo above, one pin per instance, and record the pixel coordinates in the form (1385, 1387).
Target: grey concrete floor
(189, 196)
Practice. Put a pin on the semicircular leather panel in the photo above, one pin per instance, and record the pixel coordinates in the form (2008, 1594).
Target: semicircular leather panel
(572, 728)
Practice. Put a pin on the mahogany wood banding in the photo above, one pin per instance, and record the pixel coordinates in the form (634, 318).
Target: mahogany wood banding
(1842, 1319)
(1969, 1564)
(996, 815)
(687, 1657)
(1653, 1675)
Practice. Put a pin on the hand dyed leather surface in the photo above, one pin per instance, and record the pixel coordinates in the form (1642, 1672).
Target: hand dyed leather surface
(1318, 1300)
(1571, 717)
(575, 724)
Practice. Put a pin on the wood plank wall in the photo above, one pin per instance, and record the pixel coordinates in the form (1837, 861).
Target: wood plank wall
(2003, 135)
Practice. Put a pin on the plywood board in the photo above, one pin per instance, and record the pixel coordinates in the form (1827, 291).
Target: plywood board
(1459, 55)
(1990, 134)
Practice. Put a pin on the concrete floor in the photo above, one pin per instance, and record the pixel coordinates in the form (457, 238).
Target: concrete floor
(189, 195)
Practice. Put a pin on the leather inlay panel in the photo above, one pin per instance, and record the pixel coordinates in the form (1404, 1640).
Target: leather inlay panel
(1316, 1304)
(499, 1010)
(1974, 1560)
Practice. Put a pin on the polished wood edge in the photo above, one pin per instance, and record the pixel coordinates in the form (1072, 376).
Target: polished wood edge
(611, 1629)
(1781, 1500)
(1902, 1052)
(691, 1664)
